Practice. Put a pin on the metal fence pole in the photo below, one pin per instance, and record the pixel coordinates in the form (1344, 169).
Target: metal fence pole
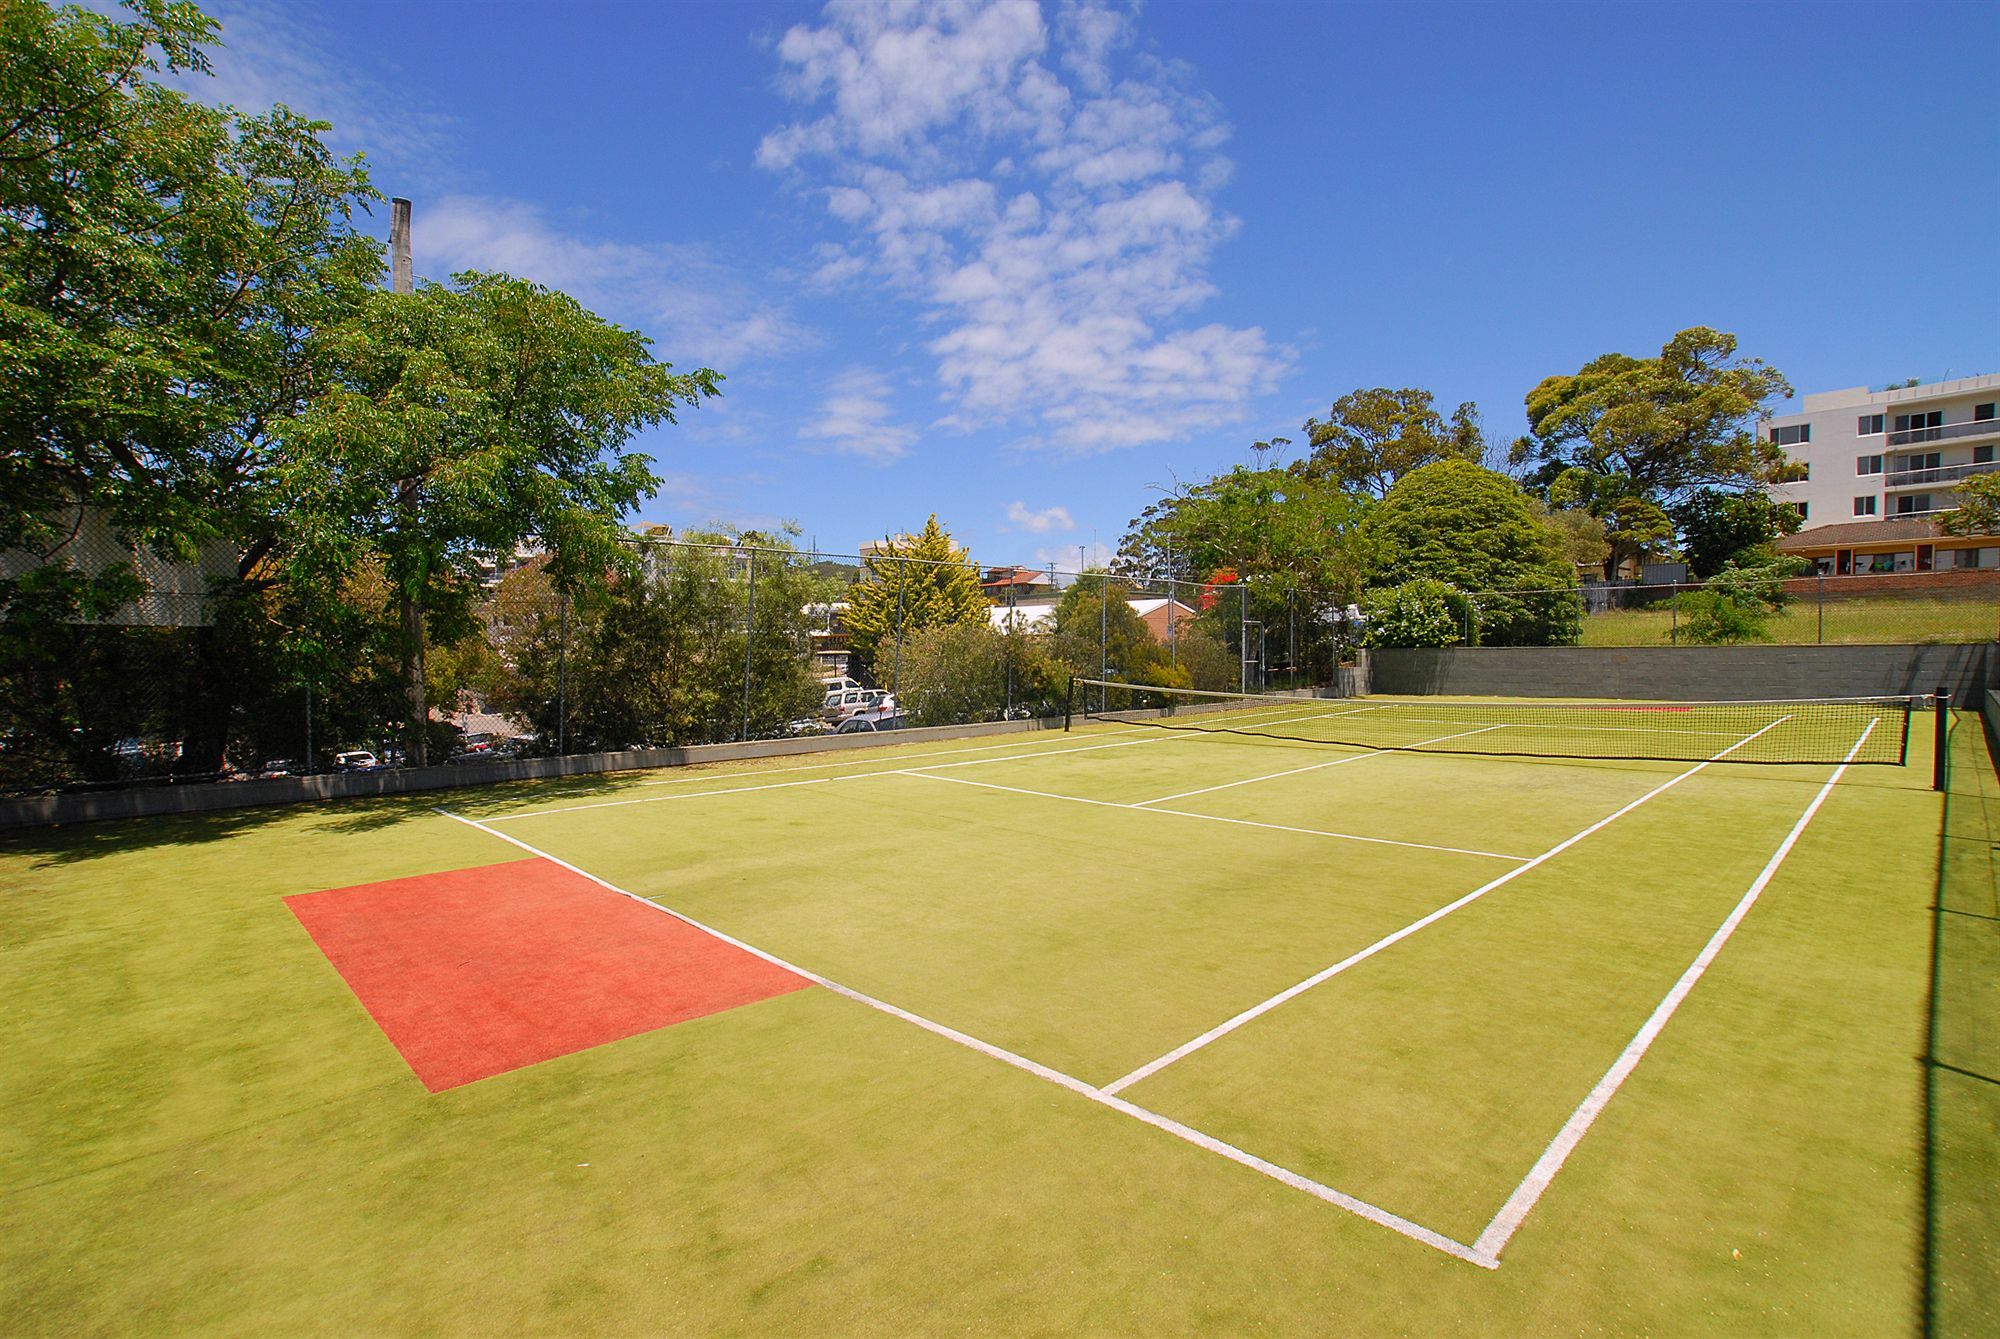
(1674, 616)
(1242, 637)
(1819, 602)
(896, 670)
(1173, 637)
(562, 671)
(749, 642)
(1103, 634)
(1012, 598)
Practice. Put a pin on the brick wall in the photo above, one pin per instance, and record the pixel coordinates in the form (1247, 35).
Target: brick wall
(1972, 584)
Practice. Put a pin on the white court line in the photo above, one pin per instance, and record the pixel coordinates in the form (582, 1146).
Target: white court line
(865, 757)
(657, 799)
(1273, 776)
(925, 775)
(1151, 738)
(1508, 1221)
(1358, 1207)
(1256, 1011)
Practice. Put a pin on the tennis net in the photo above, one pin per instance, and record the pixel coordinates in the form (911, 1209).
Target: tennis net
(1804, 730)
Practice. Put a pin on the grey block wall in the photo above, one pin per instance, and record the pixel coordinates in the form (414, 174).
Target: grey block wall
(1685, 673)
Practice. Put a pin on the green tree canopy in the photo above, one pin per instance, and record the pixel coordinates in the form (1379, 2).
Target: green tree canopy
(1099, 635)
(1282, 523)
(1718, 528)
(1646, 432)
(1371, 438)
(467, 419)
(1475, 529)
(1978, 511)
(920, 581)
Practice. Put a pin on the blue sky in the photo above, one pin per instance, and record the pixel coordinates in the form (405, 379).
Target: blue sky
(1014, 263)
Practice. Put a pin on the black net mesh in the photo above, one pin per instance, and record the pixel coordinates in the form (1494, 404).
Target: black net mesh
(1818, 730)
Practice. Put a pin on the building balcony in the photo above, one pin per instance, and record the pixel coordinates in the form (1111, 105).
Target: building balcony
(1944, 474)
(1949, 432)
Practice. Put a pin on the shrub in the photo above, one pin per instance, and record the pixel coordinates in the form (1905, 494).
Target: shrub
(1417, 613)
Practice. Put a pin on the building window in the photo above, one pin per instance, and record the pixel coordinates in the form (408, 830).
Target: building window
(1927, 424)
(1792, 436)
(1864, 506)
(1868, 464)
(1868, 425)
(1965, 558)
(1800, 508)
(1982, 455)
(1926, 460)
(1911, 504)
(1794, 472)
(1983, 413)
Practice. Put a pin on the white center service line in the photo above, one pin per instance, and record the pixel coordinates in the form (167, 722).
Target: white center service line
(1318, 766)
(1206, 818)
(1508, 1221)
(1360, 1208)
(1256, 1011)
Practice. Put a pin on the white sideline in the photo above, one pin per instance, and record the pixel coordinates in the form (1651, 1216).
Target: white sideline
(1508, 1221)
(1273, 776)
(1358, 1207)
(1256, 1011)
(926, 775)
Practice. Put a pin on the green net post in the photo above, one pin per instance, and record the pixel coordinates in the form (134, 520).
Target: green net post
(1941, 736)
(1069, 701)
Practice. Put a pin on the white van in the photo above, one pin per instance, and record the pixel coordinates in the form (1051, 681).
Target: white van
(866, 703)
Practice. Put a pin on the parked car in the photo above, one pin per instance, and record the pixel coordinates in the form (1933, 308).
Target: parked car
(356, 760)
(861, 725)
(272, 767)
(871, 703)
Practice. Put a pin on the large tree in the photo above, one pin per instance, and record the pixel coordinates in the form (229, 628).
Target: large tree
(1475, 530)
(466, 419)
(918, 581)
(1279, 523)
(1628, 437)
(1720, 528)
(1371, 438)
(162, 265)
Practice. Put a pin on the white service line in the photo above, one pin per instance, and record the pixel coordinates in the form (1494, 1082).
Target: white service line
(814, 781)
(1315, 767)
(1256, 1011)
(1508, 1221)
(1358, 1207)
(1208, 818)
(1035, 738)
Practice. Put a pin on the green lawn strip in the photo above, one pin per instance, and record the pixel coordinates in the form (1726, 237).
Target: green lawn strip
(1964, 1256)
(1084, 937)
(1430, 1079)
(803, 1165)
(1882, 619)
(157, 989)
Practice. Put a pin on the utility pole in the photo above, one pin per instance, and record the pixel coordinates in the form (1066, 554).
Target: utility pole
(417, 754)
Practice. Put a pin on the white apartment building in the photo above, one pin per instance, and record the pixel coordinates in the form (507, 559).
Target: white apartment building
(1880, 465)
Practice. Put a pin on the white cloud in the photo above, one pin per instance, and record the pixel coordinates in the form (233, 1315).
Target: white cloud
(1066, 561)
(697, 309)
(1045, 197)
(270, 54)
(1021, 517)
(856, 419)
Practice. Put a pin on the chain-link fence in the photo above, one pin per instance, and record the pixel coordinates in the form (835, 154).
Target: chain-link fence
(118, 667)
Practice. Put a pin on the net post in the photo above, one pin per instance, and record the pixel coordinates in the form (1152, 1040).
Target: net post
(1069, 701)
(1941, 735)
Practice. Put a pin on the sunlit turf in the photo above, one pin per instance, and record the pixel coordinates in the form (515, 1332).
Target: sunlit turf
(201, 1130)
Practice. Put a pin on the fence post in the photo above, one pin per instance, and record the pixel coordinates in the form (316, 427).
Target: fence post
(1173, 640)
(562, 671)
(1819, 601)
(1103, 634)
(310, 769)
(1008, 642)
(749, 643)
(1242, 635)
(1674, 615)
(896, 670)
(1941, 735)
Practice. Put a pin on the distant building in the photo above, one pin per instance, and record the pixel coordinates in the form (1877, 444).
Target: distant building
(1899, 544)
(1040, 616)
(1859, 455)
(1003, 584)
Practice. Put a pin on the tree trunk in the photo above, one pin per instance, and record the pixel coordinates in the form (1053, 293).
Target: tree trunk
(413, 678)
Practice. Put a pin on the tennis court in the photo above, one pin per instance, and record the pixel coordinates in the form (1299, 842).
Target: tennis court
(1306, 1007)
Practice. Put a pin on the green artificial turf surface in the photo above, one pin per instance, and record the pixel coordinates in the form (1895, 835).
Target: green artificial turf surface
(201, 1129)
